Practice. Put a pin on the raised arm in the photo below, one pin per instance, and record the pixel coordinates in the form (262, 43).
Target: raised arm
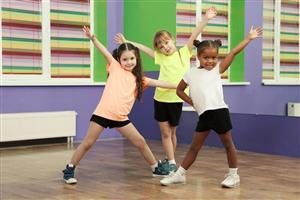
(119, 39)
(210, 13)
(253, 33)
(161, 83)
(106, 54)
(180, 92)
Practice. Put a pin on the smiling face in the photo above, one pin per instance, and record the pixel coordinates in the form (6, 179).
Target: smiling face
(208, 58)
(166, 46)
(128, 60)
(164, 43)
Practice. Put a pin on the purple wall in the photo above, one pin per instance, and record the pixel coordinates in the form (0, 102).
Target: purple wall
(115, 21)
(82, 99)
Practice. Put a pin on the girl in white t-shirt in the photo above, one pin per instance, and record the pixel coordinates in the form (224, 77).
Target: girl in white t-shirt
(206, 96)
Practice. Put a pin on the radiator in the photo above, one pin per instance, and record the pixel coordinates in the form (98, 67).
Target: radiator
(37, 125)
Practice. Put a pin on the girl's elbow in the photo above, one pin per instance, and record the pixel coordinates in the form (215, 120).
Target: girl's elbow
(178, 92)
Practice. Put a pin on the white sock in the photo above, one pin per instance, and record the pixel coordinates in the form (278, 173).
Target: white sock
(172, 162)
(181, 171)
(70, 165)
(154, 166)
(232, 171)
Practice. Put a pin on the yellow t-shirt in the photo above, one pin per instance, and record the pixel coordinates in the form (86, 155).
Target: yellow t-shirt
(172, 69)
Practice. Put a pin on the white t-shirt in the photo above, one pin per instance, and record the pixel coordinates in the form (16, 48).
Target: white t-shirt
(205, 88)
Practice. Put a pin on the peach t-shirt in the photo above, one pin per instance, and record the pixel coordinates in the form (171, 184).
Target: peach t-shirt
(119, 93)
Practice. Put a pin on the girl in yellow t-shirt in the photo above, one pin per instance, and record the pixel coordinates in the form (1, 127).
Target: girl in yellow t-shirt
(173, 64)
(125, 83)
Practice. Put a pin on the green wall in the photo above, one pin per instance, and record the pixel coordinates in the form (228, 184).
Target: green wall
(142, 19)
(237, 19)
(100, 30)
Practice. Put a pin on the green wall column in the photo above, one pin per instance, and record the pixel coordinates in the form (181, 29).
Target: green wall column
(142, 19)
(237, 19)
(100, 30)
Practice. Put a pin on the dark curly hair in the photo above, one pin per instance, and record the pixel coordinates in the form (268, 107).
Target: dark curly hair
(205, 44)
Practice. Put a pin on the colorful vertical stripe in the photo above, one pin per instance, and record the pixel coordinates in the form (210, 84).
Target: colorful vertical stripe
(70, 48)
(185, 22)
(218, 27)
(21, 37)
(268, 41)
(289, 39)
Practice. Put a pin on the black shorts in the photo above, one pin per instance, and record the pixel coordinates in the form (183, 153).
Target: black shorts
(217, 120)
(107, 122)
(169, 112)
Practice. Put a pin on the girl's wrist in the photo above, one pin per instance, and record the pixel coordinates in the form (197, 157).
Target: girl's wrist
(249, 38)
(93, 38)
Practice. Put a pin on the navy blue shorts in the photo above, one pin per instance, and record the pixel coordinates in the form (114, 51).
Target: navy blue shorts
(217, 120)
(107, 122)
(169, 112)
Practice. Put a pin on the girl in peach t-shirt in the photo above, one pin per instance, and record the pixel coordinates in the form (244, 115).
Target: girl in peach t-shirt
(125, 83)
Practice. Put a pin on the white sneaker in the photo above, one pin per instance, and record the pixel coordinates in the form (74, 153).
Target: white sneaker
(231, 181)
(173, 178)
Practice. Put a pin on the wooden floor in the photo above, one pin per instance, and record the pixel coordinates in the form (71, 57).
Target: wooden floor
(115, 170)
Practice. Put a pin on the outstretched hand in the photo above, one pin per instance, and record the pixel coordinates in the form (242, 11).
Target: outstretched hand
(119, 38)
(88, 33)
(255, 33)
(211, 13)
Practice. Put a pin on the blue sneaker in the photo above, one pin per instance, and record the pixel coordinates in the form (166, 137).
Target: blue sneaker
(172, 168)
(160, 171)
(69, 174)
(167, 166)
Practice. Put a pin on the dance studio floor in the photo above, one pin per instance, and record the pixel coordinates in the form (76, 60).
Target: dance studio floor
(115, 170)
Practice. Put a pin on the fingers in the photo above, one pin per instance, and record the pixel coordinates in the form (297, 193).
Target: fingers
(86, 29)
(212, 10)
(119, 38)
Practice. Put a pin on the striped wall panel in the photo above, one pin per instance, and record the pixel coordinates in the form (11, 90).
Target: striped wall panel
(185, 23)
(21, 37)
(289, 39)
(70, 48)
(218, 27)
(268, 41)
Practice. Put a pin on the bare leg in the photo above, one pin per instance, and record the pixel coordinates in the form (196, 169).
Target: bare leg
(174, 138)
(166, 137)
(132, 134)
(91, 137)
(230, 149)
(190, 157)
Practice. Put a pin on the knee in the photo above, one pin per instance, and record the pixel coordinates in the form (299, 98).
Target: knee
(166, 134)
(140, 143)
(88, 144)
(228, 145)
(194, 149)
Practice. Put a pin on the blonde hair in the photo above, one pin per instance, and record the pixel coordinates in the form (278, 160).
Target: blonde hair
(160, 37)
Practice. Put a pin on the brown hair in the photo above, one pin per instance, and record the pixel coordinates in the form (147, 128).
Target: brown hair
(160, 37)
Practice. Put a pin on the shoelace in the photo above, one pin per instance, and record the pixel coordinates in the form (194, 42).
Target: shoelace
(68, 172)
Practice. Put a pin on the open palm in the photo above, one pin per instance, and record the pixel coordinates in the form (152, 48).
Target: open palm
(255, 32)
(119, 38)
(211, 13)
(87, 32)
